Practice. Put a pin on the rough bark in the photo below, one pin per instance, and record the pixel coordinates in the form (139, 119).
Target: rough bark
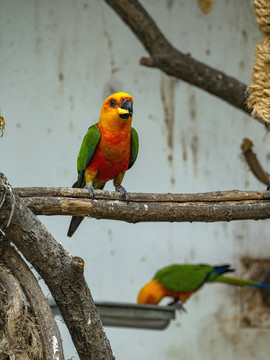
(204, 207)
(19, 335)
(50, 335)
(172, 61)
(63, 274)
(254, 163)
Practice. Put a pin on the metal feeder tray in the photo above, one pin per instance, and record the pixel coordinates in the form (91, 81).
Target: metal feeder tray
(131, 315)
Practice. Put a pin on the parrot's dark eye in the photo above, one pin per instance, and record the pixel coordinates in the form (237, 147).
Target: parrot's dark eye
(113, 103)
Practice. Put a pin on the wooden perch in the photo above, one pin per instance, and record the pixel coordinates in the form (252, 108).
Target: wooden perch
(203, 207)
(63, 274)
(172, 61)
(253, 162)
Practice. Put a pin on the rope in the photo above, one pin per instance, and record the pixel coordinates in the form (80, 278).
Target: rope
(259, 89)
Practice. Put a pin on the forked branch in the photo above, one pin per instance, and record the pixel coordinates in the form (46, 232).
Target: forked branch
(172, 61)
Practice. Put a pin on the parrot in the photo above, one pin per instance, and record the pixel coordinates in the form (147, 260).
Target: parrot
(180, 281)
(109, 148)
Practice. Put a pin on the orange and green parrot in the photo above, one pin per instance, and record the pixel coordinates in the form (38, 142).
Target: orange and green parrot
(181, 281)
(108, 150)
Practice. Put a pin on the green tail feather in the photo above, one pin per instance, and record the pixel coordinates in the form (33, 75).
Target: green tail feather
(240, 282)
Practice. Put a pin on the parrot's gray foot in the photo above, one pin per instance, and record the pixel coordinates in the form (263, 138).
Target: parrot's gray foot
(123, 192)
(7, 189)
(268, 187)
(178, 305)
(91, 190)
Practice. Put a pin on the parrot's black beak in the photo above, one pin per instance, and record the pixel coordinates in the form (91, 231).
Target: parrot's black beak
(126, 105)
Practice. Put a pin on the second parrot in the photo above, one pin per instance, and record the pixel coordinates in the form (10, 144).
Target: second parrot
(180, 281)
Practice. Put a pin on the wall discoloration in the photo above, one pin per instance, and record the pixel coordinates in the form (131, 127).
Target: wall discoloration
(255, 306)
(205, 5)
(60, 76)
(184, 146)
(114, 68)
(221, 335)
(194, 145)
(167, 98)
(169, 4)
(61, 59)
(167, 85)
(192, 106)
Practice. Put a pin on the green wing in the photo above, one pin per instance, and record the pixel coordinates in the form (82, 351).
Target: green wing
(183, 278)
(86, 152)
(134, 147)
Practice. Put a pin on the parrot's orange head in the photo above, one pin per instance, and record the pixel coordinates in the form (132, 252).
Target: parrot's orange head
(116, 112)
(151, 293)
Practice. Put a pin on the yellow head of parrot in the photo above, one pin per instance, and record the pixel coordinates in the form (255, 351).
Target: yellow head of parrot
(116, 112)
(151, 293)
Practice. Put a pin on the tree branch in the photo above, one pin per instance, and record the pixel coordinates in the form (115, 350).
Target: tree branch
(203, 207)
(172, 61)
(19, 335)
(253, 162)
(63, 274)
(48, 328)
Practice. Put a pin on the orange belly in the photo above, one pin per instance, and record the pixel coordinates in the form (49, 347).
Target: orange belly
(111, 156)
(183, 296)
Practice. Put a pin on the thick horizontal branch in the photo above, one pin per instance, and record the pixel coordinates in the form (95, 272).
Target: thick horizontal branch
(231, 195)
(172, 61)
(203, 207)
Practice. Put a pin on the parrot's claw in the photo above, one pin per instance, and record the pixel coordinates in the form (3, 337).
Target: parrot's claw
(123, 192)
(178, 305)
(91, 190)
(7, 189)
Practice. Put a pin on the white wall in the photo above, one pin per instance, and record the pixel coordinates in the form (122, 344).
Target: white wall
(58, 62)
